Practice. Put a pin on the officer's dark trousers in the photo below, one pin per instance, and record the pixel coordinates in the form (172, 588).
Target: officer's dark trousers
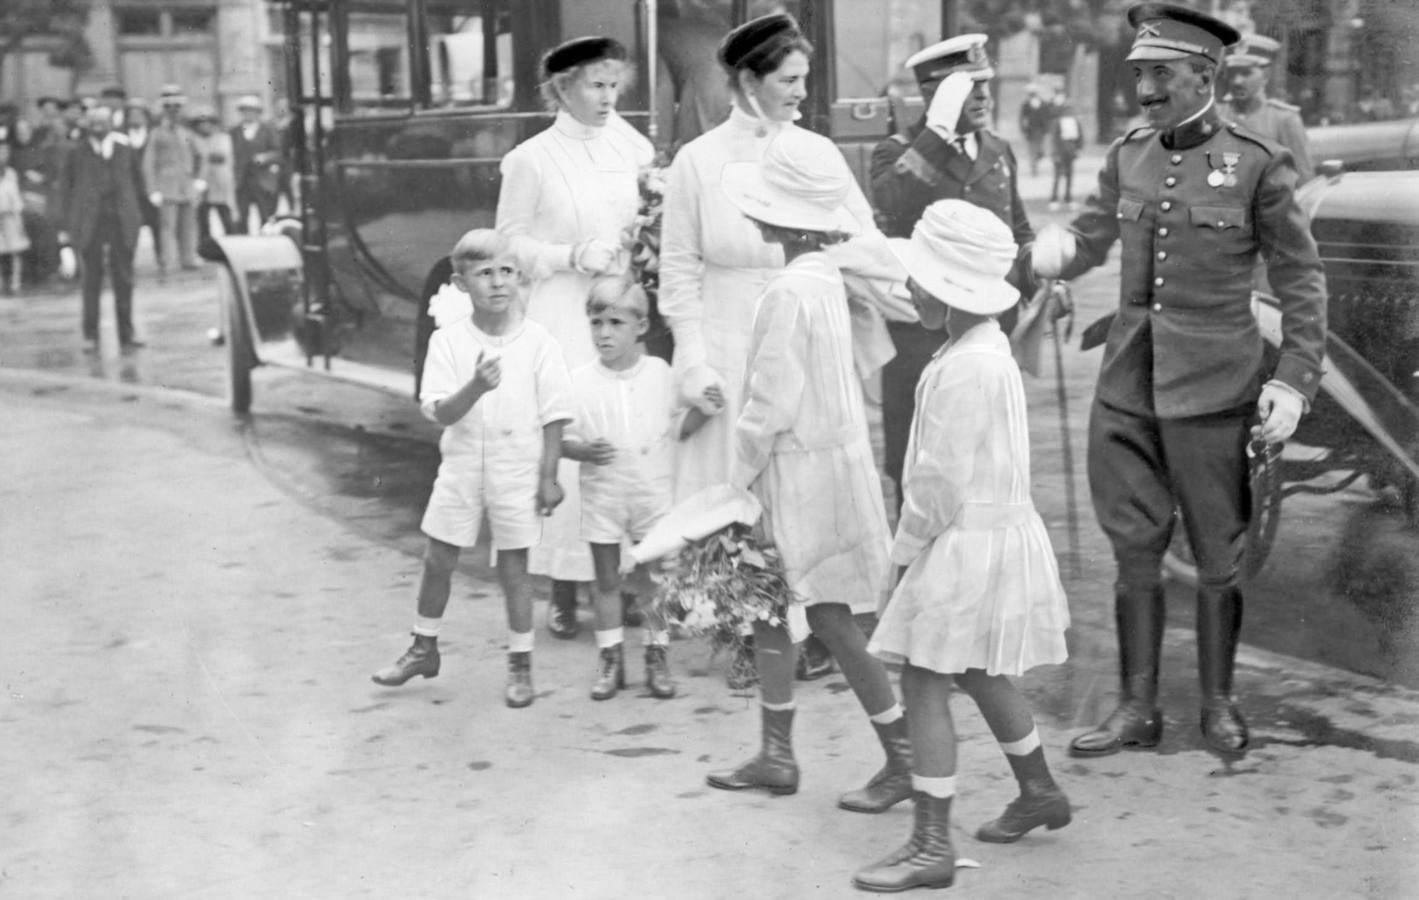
(1142, 468)
(915, 345)
(108, 235)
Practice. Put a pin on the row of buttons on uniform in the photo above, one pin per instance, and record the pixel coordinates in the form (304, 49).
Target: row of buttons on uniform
(1165, 206)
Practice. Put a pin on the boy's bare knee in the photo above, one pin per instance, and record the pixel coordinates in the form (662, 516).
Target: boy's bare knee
(440, 556)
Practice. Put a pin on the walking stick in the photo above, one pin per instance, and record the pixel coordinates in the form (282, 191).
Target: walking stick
(1060, 307)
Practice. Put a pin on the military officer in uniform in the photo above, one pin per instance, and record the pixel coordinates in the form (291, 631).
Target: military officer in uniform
(1249, 67)
(1181, 390)
(948, 154)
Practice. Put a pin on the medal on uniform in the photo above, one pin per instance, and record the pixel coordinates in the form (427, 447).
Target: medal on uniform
(1215, 178)
(1229, 167)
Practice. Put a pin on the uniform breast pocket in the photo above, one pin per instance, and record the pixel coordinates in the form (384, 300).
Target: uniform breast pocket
(1130, 215)
(1223, 229)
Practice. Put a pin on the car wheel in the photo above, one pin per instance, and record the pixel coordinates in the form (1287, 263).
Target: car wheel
(240, 352)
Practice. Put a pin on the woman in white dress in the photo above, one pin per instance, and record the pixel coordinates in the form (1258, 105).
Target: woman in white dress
(568, 195)
(802, 447)
(714, 264)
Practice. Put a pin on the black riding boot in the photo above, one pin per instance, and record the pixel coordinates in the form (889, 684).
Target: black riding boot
(1137, 722)
(1219, 622)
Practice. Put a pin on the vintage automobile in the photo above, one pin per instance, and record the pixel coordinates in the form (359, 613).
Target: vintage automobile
(405, 109)
(1365, 421)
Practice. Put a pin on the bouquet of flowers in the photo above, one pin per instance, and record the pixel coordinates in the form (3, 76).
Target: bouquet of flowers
(642, 239)
(720, 583)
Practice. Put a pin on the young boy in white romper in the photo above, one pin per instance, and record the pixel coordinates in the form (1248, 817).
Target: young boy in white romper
(498, 385)
(626, 418)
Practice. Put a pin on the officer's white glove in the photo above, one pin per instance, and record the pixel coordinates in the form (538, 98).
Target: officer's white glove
(1054, 248)
(944, 113)
(596, 257)
(199, 186)
(1279, 408)
(156, 198)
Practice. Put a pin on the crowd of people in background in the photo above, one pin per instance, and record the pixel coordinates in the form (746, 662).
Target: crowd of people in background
(1051, 127)
(197, 174)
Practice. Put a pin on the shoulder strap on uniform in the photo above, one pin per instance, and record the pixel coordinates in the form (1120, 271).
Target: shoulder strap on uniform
(1138, 134)
(1282, 104)
(1246, 134)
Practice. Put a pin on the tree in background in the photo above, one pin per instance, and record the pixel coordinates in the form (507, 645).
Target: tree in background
(61, 21)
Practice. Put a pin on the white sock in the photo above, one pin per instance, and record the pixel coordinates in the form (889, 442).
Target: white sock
(940, 788)
(519, 643)
(1023, 747)
(426, 626)
(610, 637)
(888, 715)
(777, 707)
(659, 638)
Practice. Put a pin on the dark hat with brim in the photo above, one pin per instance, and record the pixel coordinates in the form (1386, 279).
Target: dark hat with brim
(1165, 32)
(579, 52)
(1256, 50)
(57, 101)
(756, 38)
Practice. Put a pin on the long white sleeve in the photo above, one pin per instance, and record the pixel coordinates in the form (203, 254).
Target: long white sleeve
(682, 263)
(774, 389)
(517, 216)
(950, 426)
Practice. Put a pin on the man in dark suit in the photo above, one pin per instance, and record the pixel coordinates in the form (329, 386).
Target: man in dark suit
(256, 162)
(1192, 199)
(97, 196)
(949, 154)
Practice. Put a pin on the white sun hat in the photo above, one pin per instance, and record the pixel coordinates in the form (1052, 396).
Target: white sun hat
(802, 182)
(960, 254)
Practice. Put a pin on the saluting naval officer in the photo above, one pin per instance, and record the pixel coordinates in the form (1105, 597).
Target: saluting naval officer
(1248, 69)
(949, 154)
(1182, 387)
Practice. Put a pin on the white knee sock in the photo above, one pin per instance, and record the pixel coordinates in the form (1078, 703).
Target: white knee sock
(1023, 747)
(888, 715)
(941, 788)
(778, 707)
(423, 625)
(610, 637)
(519, 642)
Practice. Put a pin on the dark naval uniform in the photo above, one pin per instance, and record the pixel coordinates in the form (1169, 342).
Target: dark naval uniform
(1183, 368)
(909, 172)
(1281, 122)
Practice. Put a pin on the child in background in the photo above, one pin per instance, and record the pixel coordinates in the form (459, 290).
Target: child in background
(625, 419)
(14, 240)
(498, 385)
(980, 598)
(1066, 138)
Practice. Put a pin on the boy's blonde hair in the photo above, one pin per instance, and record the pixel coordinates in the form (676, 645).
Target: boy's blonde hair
(617, 292)
(478, 245)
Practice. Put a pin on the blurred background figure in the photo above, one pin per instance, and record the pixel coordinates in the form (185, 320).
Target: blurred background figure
(1248, 69)
(97, 199)
(138, 124)
(169, 168)
(256, 155)
(284, 137)
(114, 99)
(216, 183)
(13, 240)
(1035, 117)
(1066, 138)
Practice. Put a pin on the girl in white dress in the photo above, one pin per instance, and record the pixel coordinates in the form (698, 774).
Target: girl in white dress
(568, 195)
(802, 447)
(980, 597)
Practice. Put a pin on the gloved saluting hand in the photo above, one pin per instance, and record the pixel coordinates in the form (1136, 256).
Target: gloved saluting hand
(944, 113)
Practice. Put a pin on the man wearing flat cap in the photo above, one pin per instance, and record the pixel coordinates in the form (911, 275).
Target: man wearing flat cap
(948, 155)
(1248, 68)
(1183, 385)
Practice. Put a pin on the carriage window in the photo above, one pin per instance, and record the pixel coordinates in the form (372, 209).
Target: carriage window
(378, 47)
(470, 53)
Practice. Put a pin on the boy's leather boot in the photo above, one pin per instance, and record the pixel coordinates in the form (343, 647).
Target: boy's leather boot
(657, 672)
(610, 673)
(519, 680)
(561, 611)
(422, 658)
